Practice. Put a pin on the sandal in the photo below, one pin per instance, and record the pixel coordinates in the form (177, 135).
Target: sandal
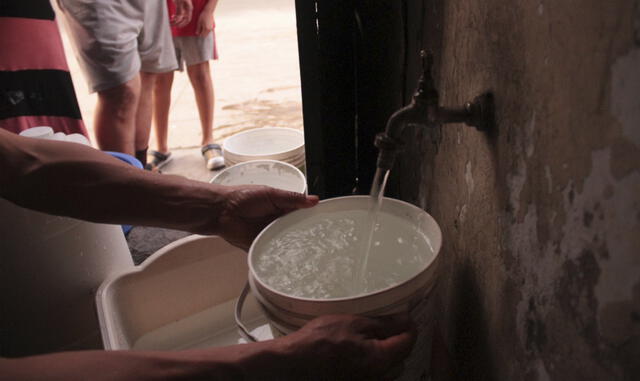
(212, 154)
(158, 160)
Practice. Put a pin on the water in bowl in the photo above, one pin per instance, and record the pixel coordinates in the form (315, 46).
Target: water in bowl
(319, 257)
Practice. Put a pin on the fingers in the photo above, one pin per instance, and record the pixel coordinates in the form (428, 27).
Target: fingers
(288, 201)
(203, 29)
(396, 348)
(310, 200)
(331, 337)
(178, 21)
(393, 336)
(183, 14)
(188, 10)
(250, 208)
(385, 341)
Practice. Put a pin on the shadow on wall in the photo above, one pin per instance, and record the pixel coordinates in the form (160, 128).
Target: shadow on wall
(474, 362)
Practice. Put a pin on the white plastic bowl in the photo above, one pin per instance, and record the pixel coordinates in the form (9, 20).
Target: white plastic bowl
(276, 174)
(297, 161)
(268, 143)
(42, 132)
(78, 138)
(287, 312)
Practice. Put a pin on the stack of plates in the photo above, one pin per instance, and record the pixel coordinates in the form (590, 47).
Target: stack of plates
(268, 143)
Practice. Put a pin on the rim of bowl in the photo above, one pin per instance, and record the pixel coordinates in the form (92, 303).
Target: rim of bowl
(253, 273)
(238, 166)
(226, 150)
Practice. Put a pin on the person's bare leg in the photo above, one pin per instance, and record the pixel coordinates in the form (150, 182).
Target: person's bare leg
(161, 105)
(115, 116)
(202, 83)
(143, 116)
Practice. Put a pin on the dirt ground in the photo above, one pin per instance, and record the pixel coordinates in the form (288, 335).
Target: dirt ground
(256, 80)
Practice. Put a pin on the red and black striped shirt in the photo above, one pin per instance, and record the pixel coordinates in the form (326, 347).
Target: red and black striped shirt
(35, 84)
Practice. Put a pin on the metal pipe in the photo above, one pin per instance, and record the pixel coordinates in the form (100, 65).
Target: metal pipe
(424, 110)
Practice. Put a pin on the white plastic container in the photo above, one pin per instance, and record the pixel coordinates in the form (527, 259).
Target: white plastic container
(287, 313)
(46, 132)
(276, 174)
(41, 132)
(78, 138)
(297, 161)
(291, 312)
(267, 143)
(181, 297)
(59, 136)
(50, 269)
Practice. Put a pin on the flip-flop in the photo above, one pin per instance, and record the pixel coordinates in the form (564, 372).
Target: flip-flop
(212, 154)
(158, 160)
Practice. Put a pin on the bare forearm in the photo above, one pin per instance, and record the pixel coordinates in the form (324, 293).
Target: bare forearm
(263, 361)
(112, 366)
(77, 181)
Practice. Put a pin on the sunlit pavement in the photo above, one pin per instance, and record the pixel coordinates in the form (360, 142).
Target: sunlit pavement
(256, 80)
(257, 84)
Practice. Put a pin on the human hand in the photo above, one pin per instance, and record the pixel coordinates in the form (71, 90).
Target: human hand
(184, 12)
(205, 24)
(249, 208)
(337, 347)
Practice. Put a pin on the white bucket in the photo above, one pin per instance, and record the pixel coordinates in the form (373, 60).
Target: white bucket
(51, 267)
(267, 143)
(287, 313)
(276, 174)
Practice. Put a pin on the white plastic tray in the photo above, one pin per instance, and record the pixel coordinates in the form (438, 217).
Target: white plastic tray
(181, 297)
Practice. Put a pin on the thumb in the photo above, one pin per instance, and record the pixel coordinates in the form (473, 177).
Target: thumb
(288, 201)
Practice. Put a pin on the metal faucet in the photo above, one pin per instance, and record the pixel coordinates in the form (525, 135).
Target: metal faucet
(424, 110)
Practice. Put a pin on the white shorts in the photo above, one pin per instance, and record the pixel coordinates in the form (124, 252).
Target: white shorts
(116, 39)
(191, 50)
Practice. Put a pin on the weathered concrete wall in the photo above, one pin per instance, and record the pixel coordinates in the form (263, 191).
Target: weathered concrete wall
(541, 218)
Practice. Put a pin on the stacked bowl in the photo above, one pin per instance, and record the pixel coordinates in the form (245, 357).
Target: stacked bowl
(276, 174)
(267, 143)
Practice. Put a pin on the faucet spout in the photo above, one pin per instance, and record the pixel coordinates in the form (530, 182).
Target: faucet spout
(419, 112)
(390, 141)
(424, 110)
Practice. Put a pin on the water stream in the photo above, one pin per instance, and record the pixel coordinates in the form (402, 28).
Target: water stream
(375, 202)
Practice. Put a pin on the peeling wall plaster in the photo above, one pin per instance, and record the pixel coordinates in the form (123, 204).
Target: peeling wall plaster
(544, 240)
(516, 181)
(625, 103)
